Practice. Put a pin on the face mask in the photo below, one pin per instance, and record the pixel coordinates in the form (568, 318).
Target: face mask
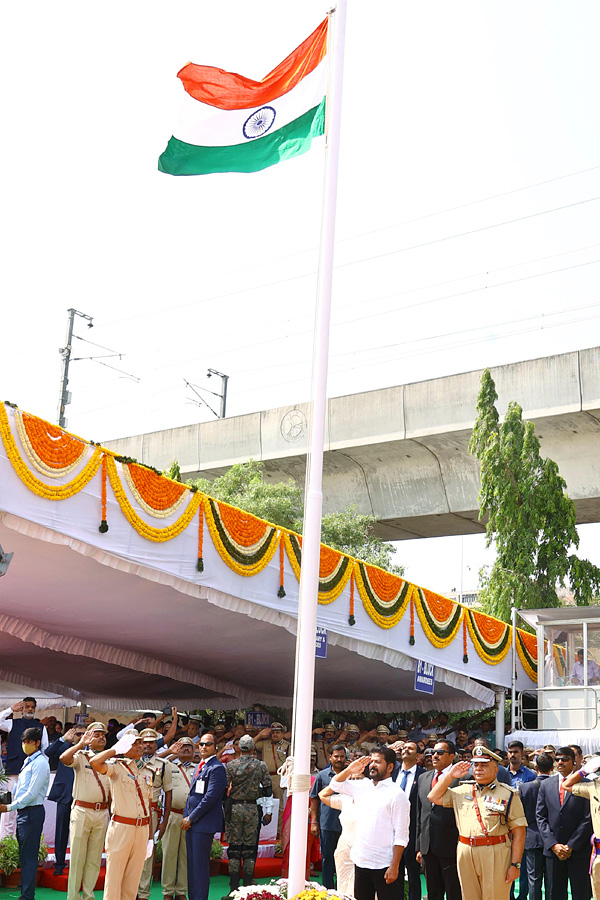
(28, 749)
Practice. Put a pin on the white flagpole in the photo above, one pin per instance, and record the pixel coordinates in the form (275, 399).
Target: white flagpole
(311, 540)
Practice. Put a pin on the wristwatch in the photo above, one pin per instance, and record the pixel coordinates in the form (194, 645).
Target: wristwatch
(516, 865)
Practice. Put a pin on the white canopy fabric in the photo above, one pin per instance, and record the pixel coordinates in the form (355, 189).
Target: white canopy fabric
(119, 621)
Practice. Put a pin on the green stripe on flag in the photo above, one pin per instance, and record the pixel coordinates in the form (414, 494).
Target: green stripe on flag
(293, 139)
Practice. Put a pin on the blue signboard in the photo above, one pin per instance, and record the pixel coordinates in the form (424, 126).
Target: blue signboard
(321, 643)
(259, 719)
(424, 677)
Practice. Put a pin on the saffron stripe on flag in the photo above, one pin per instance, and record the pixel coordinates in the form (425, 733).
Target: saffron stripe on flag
(228, 90)
(181, 158)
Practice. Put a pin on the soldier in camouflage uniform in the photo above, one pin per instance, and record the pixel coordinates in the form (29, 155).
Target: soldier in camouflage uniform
(248, 779)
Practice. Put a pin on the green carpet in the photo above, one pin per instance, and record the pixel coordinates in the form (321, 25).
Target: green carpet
(219, 886)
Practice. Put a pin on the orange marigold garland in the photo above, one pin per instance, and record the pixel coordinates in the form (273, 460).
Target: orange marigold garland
(52, 451)
(281, 591)
(103, 528)
(465, 654)
(411, 640)
(157, 495)
(200, 563)
(351, 619)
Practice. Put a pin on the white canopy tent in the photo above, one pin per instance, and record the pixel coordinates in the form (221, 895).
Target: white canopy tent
(118, 621)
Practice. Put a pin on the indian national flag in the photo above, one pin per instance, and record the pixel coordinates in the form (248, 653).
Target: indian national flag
(234, 124)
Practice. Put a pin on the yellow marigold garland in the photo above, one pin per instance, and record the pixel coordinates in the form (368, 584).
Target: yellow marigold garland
(440, 617)
(147, 531)
(158, 495)
(47, 491)
(335, 568)
(490, 636)
(385, 596)
(50, 450)
(527, 652)
(243, 557)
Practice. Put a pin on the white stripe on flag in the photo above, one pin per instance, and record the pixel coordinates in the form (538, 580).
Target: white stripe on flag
(209, 126)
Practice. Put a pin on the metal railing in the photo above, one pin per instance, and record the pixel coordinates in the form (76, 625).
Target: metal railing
(522, 711)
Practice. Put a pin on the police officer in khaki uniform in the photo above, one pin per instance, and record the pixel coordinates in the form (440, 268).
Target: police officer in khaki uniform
(174, 865)
(591, 791)
(324, 742)
(89, 813)
(129, 835)
(274, 750)
(161, 782)
(350, 738)
(491, 826)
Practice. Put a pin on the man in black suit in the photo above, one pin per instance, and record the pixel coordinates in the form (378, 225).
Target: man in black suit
(407, 778)
(62, 794)
(437, 834)
(534, 858)
(565, 826)
(203, 816)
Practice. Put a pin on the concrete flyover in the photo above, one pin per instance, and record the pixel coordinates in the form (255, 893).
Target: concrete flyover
(401, 453)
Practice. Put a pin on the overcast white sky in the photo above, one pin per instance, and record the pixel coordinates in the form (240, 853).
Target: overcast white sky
(468, 228)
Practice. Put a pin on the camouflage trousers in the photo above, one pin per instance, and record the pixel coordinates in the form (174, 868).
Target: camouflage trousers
(242, 836)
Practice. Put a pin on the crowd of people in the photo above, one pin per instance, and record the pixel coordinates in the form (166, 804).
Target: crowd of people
(386, 805)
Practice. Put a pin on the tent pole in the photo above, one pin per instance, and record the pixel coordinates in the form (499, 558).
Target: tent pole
(311, 541)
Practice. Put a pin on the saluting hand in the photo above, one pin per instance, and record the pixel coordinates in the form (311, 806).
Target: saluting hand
(460, 769)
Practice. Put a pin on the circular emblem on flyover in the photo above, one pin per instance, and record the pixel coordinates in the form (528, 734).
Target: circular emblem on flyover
(293, 425)
(259, 122)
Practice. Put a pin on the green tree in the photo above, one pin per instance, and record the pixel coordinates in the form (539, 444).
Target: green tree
(244, 485)
(531, 519)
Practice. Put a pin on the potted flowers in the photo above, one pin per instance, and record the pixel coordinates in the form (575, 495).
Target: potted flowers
(216, 855)
(10, 863)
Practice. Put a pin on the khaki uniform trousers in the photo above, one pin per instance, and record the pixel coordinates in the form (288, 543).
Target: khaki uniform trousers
(87, 831)
(595, 877)
(174, 865)
(482, 871)
(125, 854)
(146, 878)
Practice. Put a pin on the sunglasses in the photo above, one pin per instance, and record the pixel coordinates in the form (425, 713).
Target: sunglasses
(207, 744)
(439, 752)
(563, 759)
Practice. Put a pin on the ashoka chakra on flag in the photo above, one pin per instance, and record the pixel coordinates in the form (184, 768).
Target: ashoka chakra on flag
(230, 123)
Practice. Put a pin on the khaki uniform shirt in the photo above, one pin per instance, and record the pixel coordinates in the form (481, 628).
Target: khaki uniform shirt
(161, 780)
(591, 791)
(181, 775)
(274, 755)
(493, 802)
(85, 785)
(123, 775)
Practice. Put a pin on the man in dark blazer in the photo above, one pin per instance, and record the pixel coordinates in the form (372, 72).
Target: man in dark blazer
(534, 858)
(437, 834)
(203, 816)
(62, 794)
(565, 826)
(407, 777)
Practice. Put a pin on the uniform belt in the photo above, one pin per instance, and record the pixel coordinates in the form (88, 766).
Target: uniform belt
(86, 805)
(123, 820)
(178, 811)
(249, 802)
(482, 840)
(154, 806)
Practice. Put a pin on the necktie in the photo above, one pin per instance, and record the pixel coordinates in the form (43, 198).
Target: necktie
(404, 779)
(199, 769)
(435, 779)
(561, 793)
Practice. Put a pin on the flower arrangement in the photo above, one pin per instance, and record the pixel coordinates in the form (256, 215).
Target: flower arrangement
(216, 850)
(9, 854)
(278, 890)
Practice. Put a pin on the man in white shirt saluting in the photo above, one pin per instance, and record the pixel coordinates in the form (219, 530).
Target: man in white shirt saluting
(382, 813)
